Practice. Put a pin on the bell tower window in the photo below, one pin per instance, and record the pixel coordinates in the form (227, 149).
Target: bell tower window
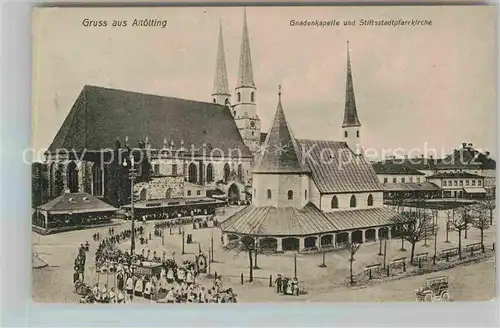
(357, 134)
(345, 134)
(252, 97)
(239, 97)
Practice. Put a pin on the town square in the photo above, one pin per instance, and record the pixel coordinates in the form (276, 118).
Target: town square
(147, 193)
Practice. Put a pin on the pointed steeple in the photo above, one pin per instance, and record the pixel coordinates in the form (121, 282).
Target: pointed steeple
(245, 73)
(280, 153)
(350, 112)
(220, 80)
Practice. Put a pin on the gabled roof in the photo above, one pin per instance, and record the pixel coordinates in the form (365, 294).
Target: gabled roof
(279, 153)
(394, 168)
(363, 218)
(467, 158)
(441, 175)
(410, 186)
(416, 163)
(76, 203)
(220, 81)
(245, 73)
(100, 115)
(336, 169)
(350, 111)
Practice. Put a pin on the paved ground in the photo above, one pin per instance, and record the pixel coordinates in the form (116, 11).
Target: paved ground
(472, 282)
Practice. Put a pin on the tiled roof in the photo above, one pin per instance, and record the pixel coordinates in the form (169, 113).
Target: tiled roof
(272, 221)
(362, 218)
(410, 186)
(350, 111)
(279, 153)
(245, 73)
(394, 168)
(76, 203)
(441, 175)
(335, 168)
(100, 115)
(289, 221)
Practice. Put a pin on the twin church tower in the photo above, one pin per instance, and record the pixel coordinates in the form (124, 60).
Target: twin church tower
(244, 108)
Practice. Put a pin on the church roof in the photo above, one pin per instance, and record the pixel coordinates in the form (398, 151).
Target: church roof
(350, 111)
(76, 203)
(220, 81)
(390, 167)
(309, 220)
(336, 169)
(101, 115)
(245, 73)
(279, 153)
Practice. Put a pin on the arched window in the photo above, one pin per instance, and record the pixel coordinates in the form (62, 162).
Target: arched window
(345, 134)
(239, 97)
(252, 97)
(335, 202)
(227, 171)
(369, 201)
(353, 201)
(214, 101)
(168, 193)
(305, 194)
(227, 101)
(144, 194)
(254, 192)
(290, 195)
(192, 173)
(97, 179)
(234, 113)
(240, 172)
(268, 193)
(210, 173)
(72, 177)
(357, 134)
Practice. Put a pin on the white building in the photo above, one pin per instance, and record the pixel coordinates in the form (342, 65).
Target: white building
(313, 193)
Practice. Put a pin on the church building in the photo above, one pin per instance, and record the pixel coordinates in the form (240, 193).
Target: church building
(194, 149)
(313, 193)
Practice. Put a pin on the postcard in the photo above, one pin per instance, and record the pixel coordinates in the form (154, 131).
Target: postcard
(264, 154)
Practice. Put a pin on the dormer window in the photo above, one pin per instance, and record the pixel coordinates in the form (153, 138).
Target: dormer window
(86, 199)
(72, 200)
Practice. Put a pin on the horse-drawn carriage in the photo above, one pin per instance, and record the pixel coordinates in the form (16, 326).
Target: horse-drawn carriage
(434, 290)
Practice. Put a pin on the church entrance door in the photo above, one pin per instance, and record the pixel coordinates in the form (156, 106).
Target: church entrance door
(234, 194)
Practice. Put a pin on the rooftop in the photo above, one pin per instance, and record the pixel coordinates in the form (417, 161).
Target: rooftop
(441, 175)
(410, 186)
(100, 116)
(394, 168)
(77, 203)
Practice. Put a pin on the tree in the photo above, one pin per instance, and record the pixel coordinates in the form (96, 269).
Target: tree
(352, 248)
(460, 223)
(414, 226)
(247, 244)
(490, 205)
(36, 184)
(58, 180)
(480, 220)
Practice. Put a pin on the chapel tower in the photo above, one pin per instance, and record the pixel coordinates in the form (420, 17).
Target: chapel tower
(245, 109)
(351, 127)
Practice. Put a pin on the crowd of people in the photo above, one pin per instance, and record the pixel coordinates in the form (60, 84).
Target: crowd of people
(177, 214)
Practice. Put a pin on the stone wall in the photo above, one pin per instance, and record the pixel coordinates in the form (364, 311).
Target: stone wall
(157, 188)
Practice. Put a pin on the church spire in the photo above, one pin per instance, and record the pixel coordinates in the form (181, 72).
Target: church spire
(245, 73)
(221, 88)
(280, 153)
(350, 112)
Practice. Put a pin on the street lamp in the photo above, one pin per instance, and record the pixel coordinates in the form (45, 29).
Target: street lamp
(132, 175)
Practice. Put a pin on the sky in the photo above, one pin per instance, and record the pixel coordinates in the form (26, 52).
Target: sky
(416, 87)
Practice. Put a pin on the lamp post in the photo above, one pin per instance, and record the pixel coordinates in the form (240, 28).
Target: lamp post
(132, 175)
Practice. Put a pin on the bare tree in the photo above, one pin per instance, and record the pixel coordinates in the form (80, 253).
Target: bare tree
(352, 248)
(414, 226)
(460, 223)
(480, 220)
(490, 205)
(247, 244)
